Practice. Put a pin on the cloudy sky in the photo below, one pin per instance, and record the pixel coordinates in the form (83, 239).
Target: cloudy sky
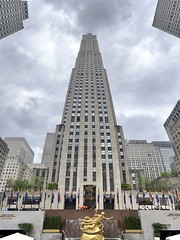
(35, 66)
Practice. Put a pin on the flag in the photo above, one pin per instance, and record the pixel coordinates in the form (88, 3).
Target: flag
(84, 197)
(137, 198)
(17, 196)
(52, 197)
(117, 197)
(163, 196)
(45, 195)
(64, 196)
(4, 196)
(32, 197)
(11, 196)
(151, 197)
(157, 198)
(40, 197)
(124, 198)
(26, 197)
(144, 194)
(71, 197)
(104, 197)
(98, 196)
(176, 194)
(170, 197)
(110, 198)
(130, 198)
(59, 197)
(78, 196)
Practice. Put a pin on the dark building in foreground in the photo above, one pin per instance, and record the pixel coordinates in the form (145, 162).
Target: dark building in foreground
(12, 14)
(172, 126)
(167, 16)
(88, 159)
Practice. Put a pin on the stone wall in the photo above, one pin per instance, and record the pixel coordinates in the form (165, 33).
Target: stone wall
(9, 220)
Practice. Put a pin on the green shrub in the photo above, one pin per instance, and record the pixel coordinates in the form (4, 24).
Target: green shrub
(157, 228)
(52, 222)
(26, 227)
(132, 222)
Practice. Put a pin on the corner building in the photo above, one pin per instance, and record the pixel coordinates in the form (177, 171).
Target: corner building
(167, 17)
(89, 163)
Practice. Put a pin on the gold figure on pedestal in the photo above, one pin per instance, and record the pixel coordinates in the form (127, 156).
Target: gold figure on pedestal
(92, 228)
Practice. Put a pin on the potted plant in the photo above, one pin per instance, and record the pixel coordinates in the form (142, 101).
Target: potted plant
(26, 227)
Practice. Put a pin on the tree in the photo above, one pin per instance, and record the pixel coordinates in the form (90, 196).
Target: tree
(52, 186)
(10, 184)
(157, 228)
(125, 186)
(26, 227)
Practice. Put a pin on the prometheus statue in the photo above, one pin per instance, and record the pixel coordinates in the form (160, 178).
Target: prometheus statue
(92, 228)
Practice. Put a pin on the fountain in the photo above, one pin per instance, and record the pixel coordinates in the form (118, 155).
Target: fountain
(92, 228)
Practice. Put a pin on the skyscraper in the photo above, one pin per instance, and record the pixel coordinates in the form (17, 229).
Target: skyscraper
(89, 160)
(172, 126)
(12, 14)
(145, 157)
(167, 16)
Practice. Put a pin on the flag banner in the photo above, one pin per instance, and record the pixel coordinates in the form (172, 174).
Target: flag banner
(104, 197)
(17, 196)
(45, 195)
(110, 198)
(3, 196)
(98, 196)
(59, 197)
(117, 197)
(137, 198)
(130, 198)
(52, 197)
(151, 197)
(84, 197)
(78, 195)
(32, 197)
(163, 196)
(26, 197)
(177, 195)
(157, 198)
(124, 198)
(40, 197)
(170, 197)
(144, 194)
(71, 197)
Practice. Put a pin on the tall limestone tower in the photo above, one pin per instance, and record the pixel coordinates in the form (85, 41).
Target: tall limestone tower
(88, 160)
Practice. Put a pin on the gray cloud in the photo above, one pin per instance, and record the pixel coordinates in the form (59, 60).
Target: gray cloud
(141, 62)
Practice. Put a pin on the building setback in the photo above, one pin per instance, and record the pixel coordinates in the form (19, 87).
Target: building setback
(3, 154)
(144, 157)
(167, 16)
(15, 166)
(167, 153)
(12, 14)
(88, 161)
(172, 126)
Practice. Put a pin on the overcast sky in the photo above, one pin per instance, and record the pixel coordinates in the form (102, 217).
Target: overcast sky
(142, 63)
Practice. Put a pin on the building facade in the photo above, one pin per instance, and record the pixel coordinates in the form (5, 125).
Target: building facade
(167, 153)
(12, 14)
(167, 16)
(88, 159)
(144, 157)
(18, 146)
(3, 154)
(15, 166)
(172, 126)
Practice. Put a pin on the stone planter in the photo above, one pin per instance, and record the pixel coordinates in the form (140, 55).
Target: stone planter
(133, 231)
(51, 230)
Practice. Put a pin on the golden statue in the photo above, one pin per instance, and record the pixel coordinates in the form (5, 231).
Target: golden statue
(92, 228)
